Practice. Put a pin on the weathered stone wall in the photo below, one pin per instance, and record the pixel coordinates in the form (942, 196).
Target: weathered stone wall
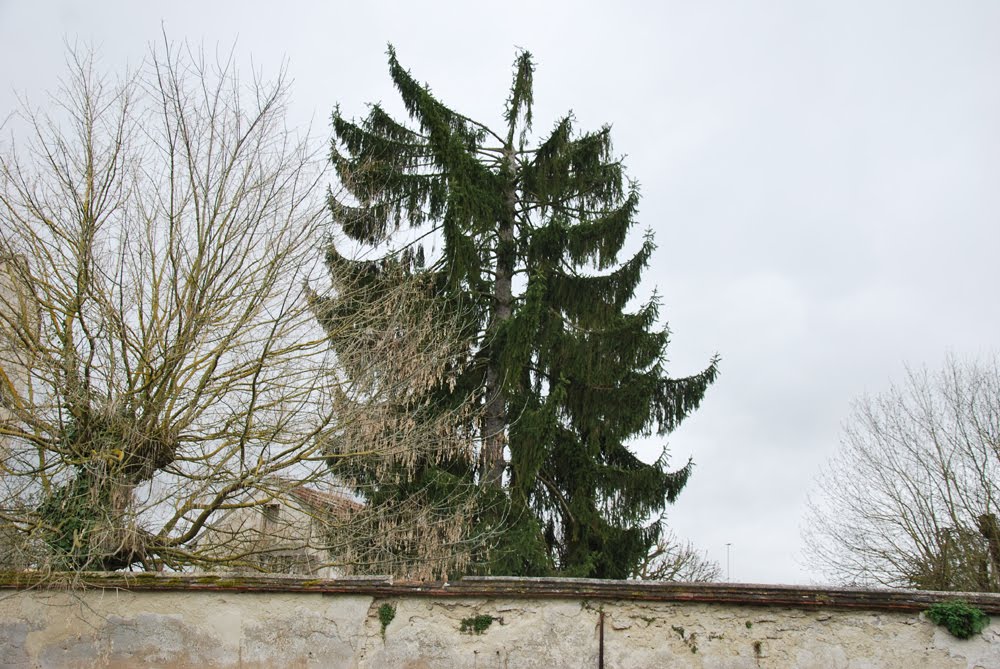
(218, 622)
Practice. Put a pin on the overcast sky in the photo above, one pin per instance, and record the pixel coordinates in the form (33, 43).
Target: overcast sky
(823, 179)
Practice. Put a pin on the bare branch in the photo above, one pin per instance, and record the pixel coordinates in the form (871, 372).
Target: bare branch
(911, 498)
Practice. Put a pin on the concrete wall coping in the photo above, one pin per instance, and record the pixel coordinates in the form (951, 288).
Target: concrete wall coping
(494, 587)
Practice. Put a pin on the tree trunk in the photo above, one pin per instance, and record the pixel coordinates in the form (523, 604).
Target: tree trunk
(990, 530)
(495, 417)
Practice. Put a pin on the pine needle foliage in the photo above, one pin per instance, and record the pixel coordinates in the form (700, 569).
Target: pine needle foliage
(529, 236)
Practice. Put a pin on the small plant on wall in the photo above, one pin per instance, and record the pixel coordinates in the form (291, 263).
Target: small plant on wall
(961, 619)
(386, 612)
(476, 624)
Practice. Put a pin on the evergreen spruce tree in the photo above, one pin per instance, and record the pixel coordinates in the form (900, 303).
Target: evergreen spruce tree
(567, 376)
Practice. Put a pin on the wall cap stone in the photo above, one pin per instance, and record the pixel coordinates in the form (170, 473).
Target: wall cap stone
(495, 587)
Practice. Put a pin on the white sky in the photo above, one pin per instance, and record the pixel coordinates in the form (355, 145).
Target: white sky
(822, 179)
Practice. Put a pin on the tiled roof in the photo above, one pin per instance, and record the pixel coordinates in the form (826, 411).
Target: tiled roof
(338, 503)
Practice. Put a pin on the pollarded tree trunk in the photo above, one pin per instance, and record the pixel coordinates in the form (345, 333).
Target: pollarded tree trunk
(990, 529)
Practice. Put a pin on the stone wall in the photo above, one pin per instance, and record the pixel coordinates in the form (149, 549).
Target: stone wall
(212, 621)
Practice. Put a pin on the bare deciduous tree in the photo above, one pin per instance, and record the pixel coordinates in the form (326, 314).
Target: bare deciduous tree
(395, 344)
(162, 361)
(911, 498)
(162, 226)
(674, 560)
